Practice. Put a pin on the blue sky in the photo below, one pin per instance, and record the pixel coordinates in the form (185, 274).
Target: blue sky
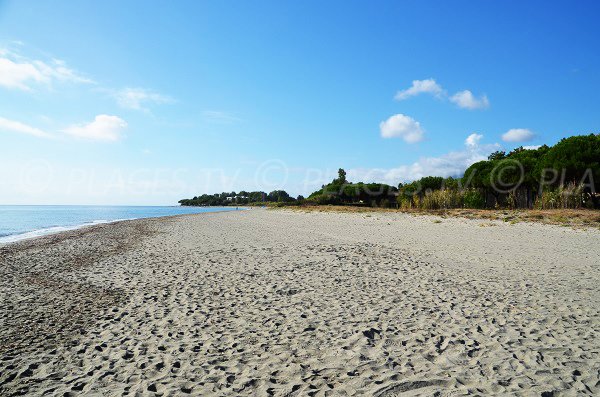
(145, 103)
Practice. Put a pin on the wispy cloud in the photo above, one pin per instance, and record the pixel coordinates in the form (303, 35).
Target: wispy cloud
(449, 164)
(466, 100)
(139, 98)
(428, 86)
(18, 72)
(402, 126)
(221, 117)
(22, 128)
(463, 99)
(518, 135)
(102, 128)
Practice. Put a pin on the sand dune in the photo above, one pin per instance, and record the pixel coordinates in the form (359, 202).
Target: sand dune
(260, 303)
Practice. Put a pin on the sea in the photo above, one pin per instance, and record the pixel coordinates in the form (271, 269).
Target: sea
(18, 222)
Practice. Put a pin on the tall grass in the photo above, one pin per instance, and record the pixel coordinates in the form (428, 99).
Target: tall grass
(571, 196)
(443, 199)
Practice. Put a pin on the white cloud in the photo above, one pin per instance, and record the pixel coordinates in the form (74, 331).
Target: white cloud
(428, 86)
(473, 140)
(103, 128)
(16, 126)
(18, 75)
(136, 98)
(17, 72)
(518, 135)
(463, 99)
(532, 147)
(466, 100)
(401, 126)
(449, 164)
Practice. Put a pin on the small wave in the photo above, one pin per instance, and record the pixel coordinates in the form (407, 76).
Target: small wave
(52, 230)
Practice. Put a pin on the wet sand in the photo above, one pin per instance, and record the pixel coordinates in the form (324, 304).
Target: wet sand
(273, 302)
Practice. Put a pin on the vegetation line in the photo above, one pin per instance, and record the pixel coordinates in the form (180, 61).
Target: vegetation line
(563, 176)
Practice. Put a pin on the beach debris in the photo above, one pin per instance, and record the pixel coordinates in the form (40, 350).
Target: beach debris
(287, 292)
(396, 389)
(371, 333)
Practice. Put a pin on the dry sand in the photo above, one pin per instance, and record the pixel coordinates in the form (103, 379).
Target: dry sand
(284, 303)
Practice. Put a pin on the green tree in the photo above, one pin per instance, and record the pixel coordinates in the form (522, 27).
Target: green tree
(575, 159)
(341, 176)
(497, 155)
(279, 196)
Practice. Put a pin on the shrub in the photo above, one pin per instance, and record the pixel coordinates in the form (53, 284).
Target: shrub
(473, 198)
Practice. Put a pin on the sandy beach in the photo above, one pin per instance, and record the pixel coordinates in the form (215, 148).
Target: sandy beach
(286, 303)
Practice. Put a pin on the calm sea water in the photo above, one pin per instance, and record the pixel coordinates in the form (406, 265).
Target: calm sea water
(18, 222)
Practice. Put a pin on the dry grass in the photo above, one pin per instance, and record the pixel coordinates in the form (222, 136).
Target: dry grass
(563, 217)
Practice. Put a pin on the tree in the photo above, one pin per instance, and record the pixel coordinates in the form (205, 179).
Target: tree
(341, 176)
(431, 183)
(575, 159)
(341, 191)
(280, 196)
(530, 178)
(497, 155)
(478, 174)
(450, 183)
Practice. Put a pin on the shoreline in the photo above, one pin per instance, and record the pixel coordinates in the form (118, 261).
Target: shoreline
(13, 238)
(291, 303)
(53, 230)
